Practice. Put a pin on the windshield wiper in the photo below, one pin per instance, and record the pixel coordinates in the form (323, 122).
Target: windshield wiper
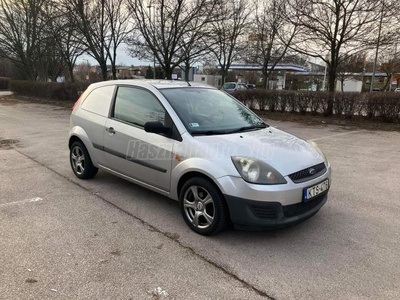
(241, 129)
(252, 127)
(209, 132)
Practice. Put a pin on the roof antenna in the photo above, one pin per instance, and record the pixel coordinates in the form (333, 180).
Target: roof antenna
(188, 83)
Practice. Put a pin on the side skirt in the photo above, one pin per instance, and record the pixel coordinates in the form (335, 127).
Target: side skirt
(138, 182)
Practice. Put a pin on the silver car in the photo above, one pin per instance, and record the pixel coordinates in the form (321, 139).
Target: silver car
(201, 147)
(234, 87)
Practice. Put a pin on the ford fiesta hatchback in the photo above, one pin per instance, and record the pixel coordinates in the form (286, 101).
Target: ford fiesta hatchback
(201, 147)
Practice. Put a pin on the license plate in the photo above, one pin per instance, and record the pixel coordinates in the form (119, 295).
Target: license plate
(315, 190)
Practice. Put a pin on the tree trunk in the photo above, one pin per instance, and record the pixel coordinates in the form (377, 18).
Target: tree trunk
(168, 72)
(388, 82)
(29, 74)
(332, 88)
(71, 72)
(265, 81)
(114, 71)
(113, 64)
(224, 74)
(187, 70)
(104, 71)
(265, 76)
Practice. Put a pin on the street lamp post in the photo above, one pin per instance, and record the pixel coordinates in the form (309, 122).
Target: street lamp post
(154, 56)
(324, 81)
(371, 87)
(88, 69)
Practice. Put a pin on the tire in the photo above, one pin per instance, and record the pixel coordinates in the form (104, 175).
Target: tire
(207, 213)
(81, 163)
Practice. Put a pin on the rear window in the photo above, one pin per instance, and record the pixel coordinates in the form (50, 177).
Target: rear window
(229, 86)
(99, 100)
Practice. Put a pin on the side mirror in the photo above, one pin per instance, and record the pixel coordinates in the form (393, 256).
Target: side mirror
(155, 127)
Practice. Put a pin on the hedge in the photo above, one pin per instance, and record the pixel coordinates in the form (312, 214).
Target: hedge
(49, 90)
(4, 83)
(385, 105)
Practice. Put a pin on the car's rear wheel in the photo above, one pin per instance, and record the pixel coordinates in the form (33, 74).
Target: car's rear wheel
(203, 206)
(81, 163)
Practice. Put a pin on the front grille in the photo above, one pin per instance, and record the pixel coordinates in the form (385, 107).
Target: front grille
(264, 212)
(303, 207)
(305, 175)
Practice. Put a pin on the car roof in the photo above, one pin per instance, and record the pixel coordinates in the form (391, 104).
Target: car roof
(158, 84)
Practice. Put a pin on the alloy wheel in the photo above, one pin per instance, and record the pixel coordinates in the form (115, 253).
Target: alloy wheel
(199, 207)
(78, 160)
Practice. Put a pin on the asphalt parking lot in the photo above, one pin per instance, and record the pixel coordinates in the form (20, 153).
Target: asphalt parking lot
(62, 238)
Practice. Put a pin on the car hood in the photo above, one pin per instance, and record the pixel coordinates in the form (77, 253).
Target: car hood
(281, 150)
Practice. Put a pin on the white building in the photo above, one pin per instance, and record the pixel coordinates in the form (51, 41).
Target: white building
(214, 80)
(349, 85)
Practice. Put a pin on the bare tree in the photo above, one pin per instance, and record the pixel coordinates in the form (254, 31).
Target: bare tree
(6, 68)
(381, 35)
(21, 26)
(331, 28)
(350, 67)
(50, 64)
(271, 36)
(390, 63)
(118, 18)
(90, 18)
(66, 39)
(164, 29)
(226, 33)
(194, 46)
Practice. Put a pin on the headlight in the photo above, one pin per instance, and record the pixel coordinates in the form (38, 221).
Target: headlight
(255, 171)
(315, 146)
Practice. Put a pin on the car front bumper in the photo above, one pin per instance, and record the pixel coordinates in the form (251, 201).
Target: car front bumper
(271, 206)
(246, 213)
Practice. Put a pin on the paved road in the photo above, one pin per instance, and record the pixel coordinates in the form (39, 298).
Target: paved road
(109, 239)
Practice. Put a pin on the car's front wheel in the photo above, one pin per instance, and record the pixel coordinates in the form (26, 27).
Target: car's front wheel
(81, 163)
(203, 206)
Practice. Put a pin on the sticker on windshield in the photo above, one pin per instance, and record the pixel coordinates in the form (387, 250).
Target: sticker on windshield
(194, 125)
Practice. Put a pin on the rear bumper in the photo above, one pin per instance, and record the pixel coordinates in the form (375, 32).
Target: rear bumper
(271, 215)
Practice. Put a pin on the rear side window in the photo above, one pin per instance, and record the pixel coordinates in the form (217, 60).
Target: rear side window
(99, 100)
(137, 106)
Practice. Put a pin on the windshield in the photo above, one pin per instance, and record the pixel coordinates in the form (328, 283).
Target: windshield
(209, 111)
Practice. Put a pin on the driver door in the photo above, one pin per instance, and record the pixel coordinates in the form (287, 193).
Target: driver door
(132, 151)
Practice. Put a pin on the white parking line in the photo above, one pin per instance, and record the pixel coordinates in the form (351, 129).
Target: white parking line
(36, 199)
(334, 135)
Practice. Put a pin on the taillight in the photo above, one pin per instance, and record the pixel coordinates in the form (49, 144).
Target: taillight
(76, 103)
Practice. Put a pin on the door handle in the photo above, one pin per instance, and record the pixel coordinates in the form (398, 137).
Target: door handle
(110, 130)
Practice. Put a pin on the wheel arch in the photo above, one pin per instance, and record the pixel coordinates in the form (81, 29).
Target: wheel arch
(193, 167)
(73, 139)
(192, 174)
(78, 134)
(221, 212)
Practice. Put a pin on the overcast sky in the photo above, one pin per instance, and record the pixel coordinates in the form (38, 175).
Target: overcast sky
(122, 59)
